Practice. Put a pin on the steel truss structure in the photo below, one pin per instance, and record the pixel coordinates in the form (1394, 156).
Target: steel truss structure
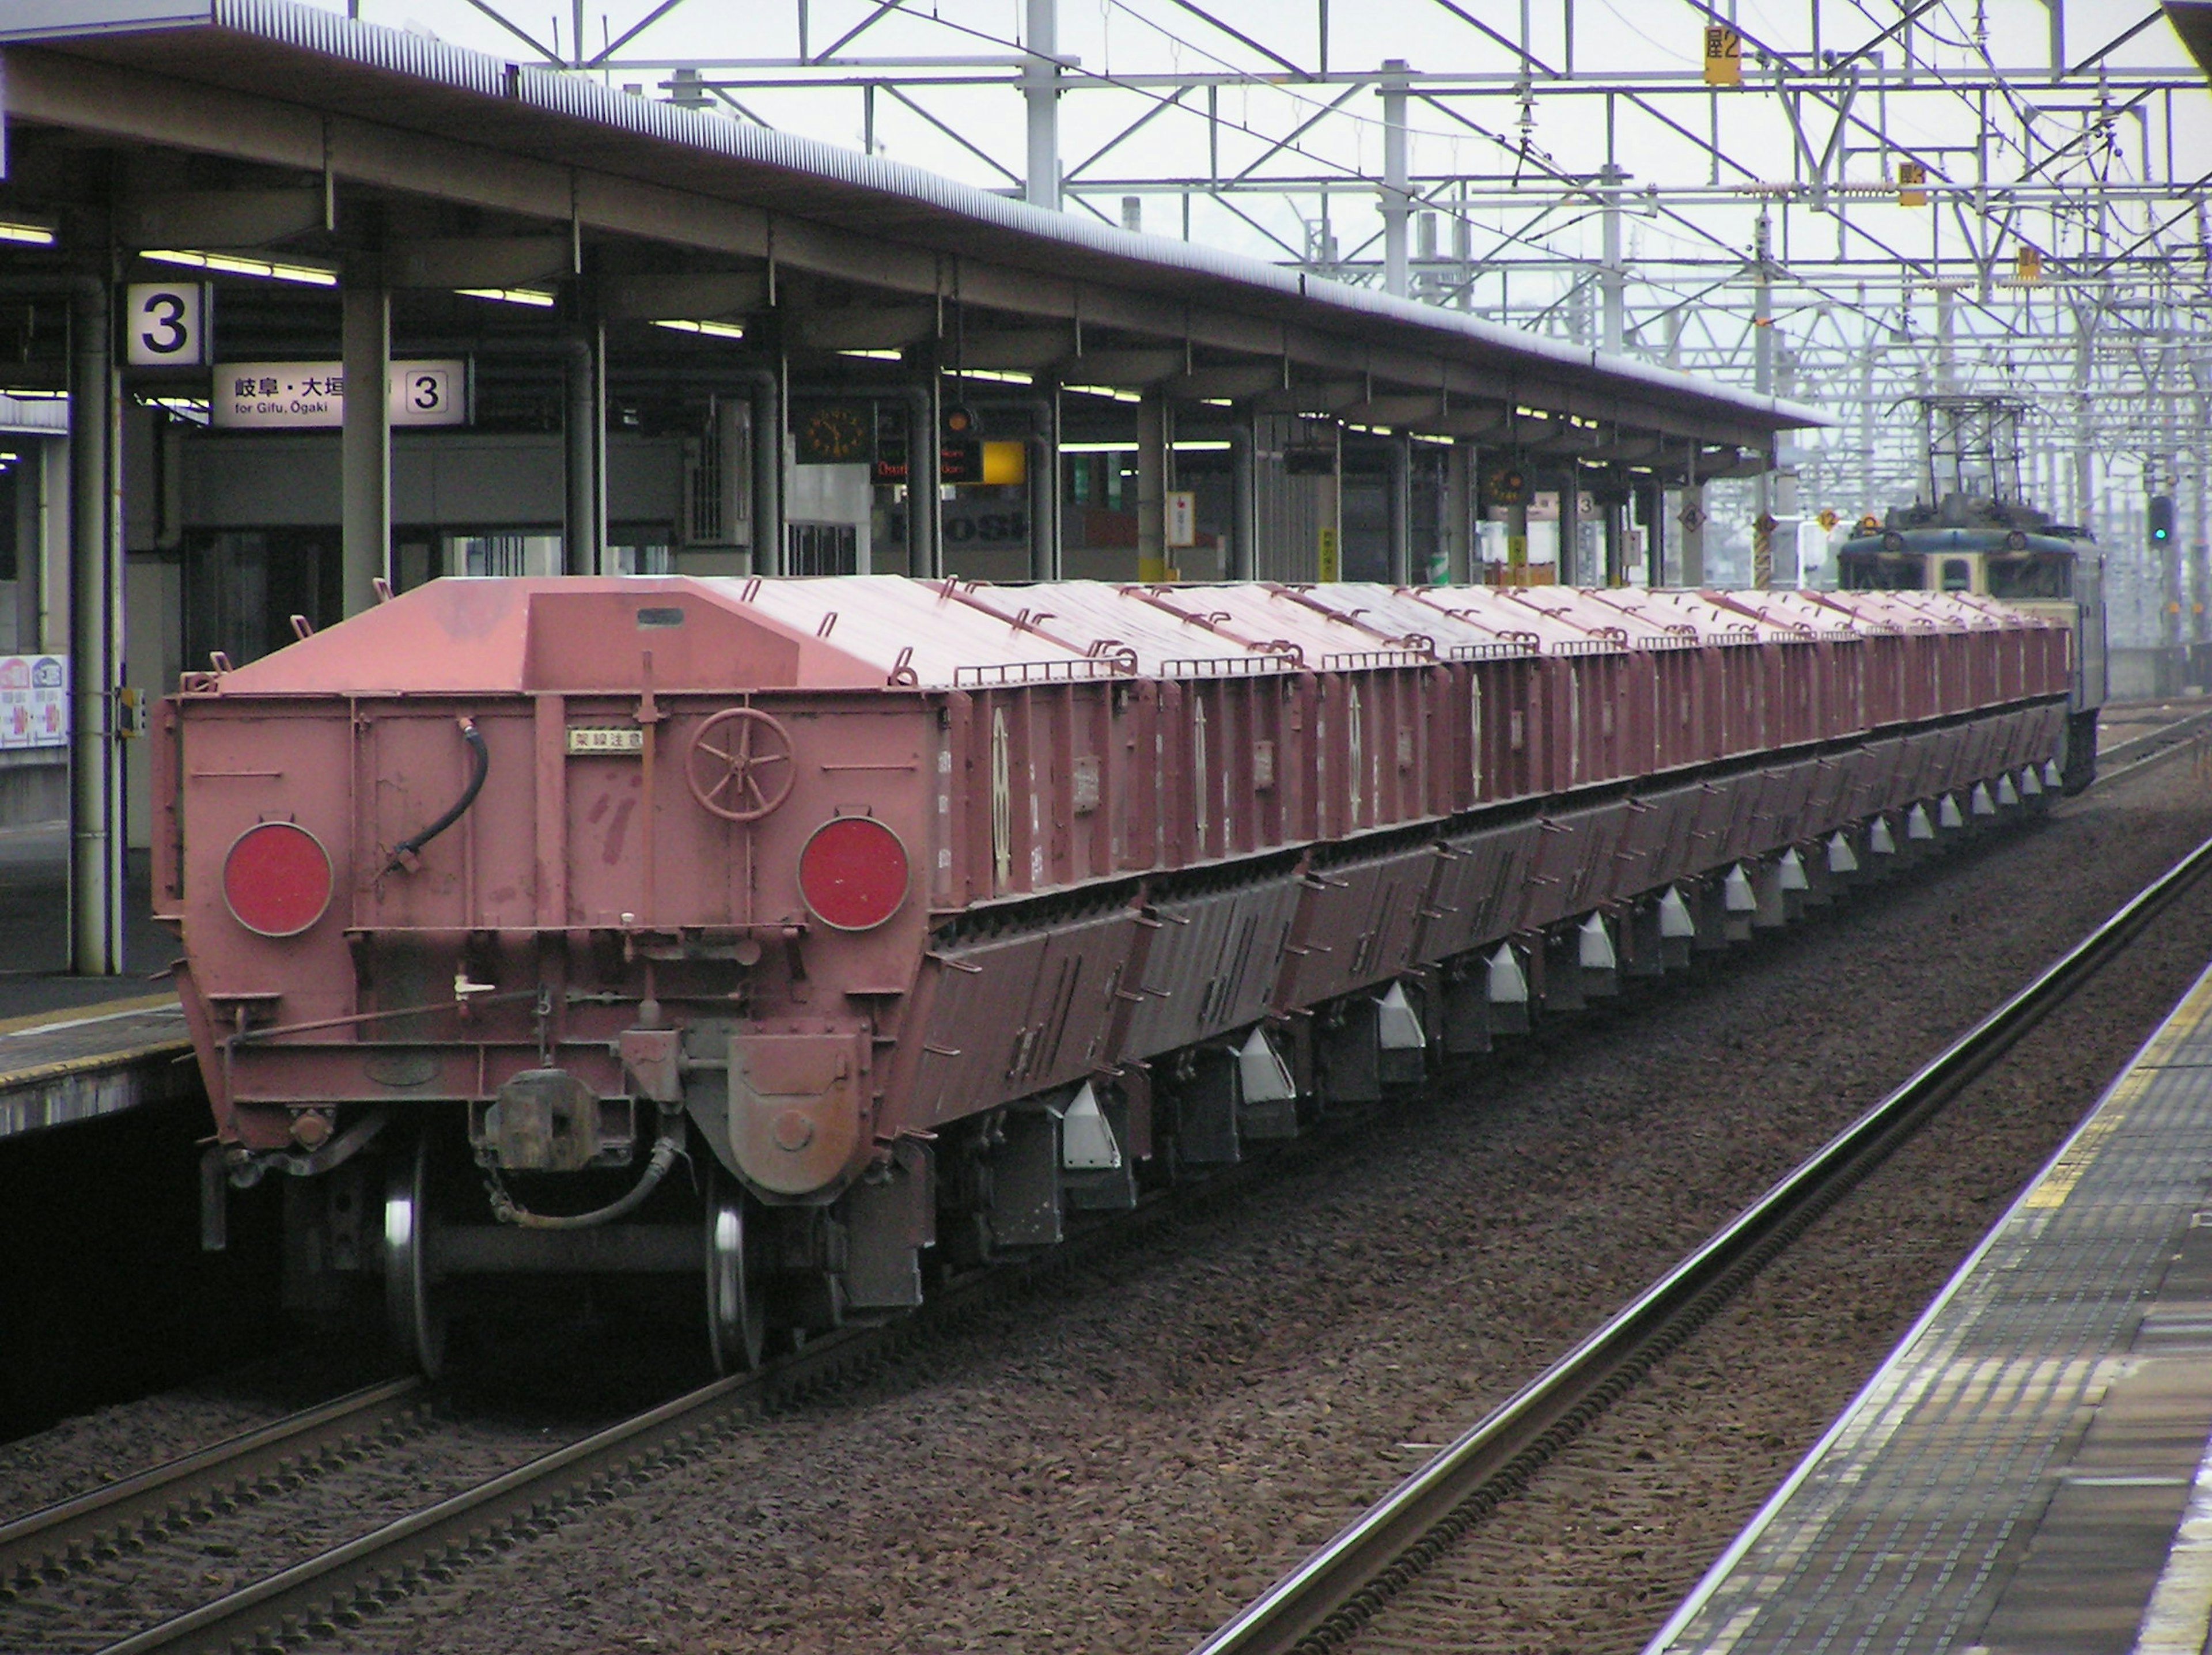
(1893, 199)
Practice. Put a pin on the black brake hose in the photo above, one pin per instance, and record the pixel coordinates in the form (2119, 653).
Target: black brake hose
(479, 768)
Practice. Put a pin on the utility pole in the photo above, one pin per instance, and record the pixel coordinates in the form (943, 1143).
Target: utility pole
(1762, 344)
(1869, 500)
(2194, 631)
(1040, 88)
(2200, 540)
(2085, 329)
(2168, 474)
(1397, 202)
(1613, 277)
(97, 825)
(1946, 359)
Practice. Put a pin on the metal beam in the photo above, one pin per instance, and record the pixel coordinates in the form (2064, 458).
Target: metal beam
(865, 327)
(1231, 382)
(1131, 368)
(490, 261)
(220, 218)
(697, 296)
(1015, 350)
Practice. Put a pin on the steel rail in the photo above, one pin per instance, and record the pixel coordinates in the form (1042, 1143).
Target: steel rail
(345, 1584)
(1322, 1602)
(54, 1542)
(2164, 742)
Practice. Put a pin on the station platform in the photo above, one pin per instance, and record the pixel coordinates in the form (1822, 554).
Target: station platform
(2030, 1469)
(75, 1048)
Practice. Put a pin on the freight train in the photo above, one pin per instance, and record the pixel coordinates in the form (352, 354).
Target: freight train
(808, 938)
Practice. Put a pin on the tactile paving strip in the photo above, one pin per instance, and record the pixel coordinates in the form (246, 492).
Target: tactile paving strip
(1929, 1519)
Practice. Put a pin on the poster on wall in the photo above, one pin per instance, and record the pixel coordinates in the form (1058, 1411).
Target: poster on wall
(34, 702)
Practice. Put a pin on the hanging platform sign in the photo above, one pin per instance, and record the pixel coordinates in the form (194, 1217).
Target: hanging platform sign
(311, 396)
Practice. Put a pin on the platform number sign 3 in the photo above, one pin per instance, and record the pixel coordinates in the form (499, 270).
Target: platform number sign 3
(166, 323)
(426, 393)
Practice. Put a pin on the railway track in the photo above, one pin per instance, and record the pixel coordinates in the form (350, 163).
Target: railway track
(347, 1584)
(49, 1545)
(1323, 1603)
(2167, 740)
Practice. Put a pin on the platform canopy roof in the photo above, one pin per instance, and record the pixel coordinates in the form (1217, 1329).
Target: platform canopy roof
(308, 133)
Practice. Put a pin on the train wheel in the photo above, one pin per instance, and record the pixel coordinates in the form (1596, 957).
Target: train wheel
(737, 1279)
(417, 1325)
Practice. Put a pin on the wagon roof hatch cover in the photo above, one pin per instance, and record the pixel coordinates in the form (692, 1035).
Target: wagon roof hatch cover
(574, 634)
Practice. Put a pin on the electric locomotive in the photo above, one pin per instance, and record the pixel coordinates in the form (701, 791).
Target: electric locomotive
(1980, 537)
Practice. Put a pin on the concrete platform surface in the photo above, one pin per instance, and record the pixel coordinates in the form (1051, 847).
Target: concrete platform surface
(73, 1048)
(2028, 1474)
(60, 1067)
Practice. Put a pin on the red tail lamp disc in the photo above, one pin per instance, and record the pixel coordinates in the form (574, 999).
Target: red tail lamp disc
(276, 878)
(853, 874)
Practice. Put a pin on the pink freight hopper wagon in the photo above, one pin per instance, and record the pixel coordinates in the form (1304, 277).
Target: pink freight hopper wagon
(894, 915)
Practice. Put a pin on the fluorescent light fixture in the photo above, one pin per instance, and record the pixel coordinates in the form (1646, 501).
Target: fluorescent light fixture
(712, 330)
(225, 264)
(536, 298)
(1000, 375)
(1218, 402)
(194, 409)
(1424, 436)
(876, 356)
(27, 230)
(1115, 391)
(33, 395)
(1192, 445)
(1531, 413)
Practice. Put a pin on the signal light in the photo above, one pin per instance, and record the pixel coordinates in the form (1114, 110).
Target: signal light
(2161, 518)
(276, 878)
(853, 874)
